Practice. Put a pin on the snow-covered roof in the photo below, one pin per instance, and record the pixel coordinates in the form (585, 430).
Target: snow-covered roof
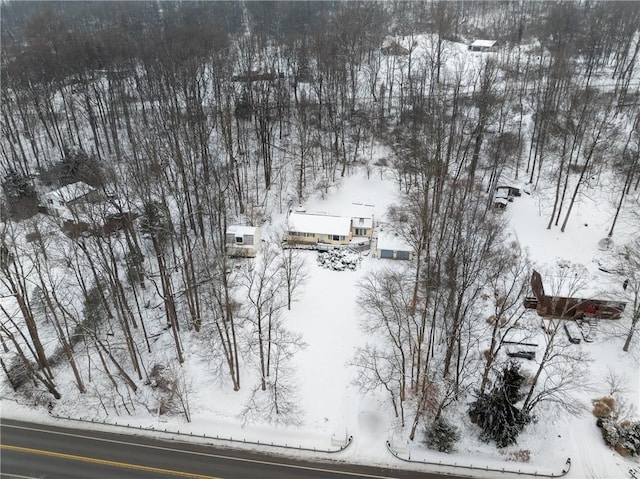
(319, 224)
(360, 222)
(520, 334)
(484, 43)
(500, 200)
(241, 230)
(580, 284)
(70, 192)
(361, 215)
(361, 210)
(391, 241)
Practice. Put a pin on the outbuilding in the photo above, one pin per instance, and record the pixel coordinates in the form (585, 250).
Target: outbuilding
(63, 201)
(483, 46)
(500, 203)
(508, 190)
(392, 246)
(242, 241)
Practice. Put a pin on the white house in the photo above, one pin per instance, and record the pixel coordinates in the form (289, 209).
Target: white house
(63, 201)
(392, 246)
(483, 46)
(361, 220)
(243, 241)
(312, 229)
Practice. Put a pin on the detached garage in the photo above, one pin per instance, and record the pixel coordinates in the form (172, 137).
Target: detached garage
(406, 255)
(386, 253)
(392, 246)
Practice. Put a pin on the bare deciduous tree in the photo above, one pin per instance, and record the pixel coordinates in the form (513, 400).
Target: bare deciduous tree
(293, 269)
(562, 370)
(628, 268)
(262, 282)
(509, 281)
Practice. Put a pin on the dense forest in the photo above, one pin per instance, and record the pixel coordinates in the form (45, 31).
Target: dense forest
(186, 117)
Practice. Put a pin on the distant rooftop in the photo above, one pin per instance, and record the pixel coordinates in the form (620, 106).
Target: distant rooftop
(484, 43)
(70, 192)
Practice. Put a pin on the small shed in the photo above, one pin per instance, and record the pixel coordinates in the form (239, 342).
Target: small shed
(508, 190)
(483, 46)
(500, 203)
(392, 246)
(242, 241)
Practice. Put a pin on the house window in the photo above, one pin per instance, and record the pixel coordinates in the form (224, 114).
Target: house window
(361, 231)
(239, 240)
(337, 238)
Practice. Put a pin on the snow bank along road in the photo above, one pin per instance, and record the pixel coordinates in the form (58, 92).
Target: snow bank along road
(31, 450)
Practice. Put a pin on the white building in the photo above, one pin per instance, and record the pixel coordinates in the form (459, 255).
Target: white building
(304, 228)
(64, 200)
(392, 246)
(242, 240)
(483, 46)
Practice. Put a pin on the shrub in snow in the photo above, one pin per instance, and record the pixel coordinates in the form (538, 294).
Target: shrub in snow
(496, 412)
(17, 373)
(604, 407)
(158, 377)
(339, 259)
(441, 435)
(172, 390)
(630, 438)
(609, 430)
(521, 455)
(624, 437)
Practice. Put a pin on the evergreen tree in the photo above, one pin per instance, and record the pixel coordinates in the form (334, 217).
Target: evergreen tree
(496, 411)
(16, 185)
(20, 195)
(441, 435)
(77, 165)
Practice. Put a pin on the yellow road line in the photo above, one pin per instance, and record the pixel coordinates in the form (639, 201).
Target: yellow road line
(104, 462)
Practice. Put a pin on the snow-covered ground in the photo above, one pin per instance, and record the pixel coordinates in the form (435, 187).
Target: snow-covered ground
(327, 317)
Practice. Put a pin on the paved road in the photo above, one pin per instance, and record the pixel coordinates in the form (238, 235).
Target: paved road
(45, 452)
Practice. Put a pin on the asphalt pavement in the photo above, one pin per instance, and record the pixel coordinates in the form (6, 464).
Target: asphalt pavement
(29, 450)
